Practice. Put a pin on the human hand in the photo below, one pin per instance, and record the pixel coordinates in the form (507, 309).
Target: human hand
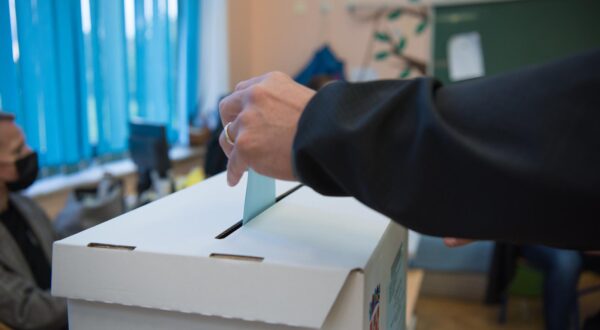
(261, 118)
(456, 242)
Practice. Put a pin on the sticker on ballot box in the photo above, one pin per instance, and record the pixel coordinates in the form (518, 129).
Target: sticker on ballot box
(374, 309)
(396, 307)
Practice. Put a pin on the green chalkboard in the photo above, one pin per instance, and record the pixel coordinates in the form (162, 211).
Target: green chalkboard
(517, 33)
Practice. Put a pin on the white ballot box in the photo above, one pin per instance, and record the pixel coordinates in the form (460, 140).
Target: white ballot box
(307, 262)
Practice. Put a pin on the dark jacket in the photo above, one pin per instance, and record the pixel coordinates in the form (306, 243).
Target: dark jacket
(514, 157)
(22, 304)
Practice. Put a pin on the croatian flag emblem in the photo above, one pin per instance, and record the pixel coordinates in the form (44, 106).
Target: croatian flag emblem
(374, 309)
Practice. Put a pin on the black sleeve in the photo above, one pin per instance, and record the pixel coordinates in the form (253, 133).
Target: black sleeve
(514, 157)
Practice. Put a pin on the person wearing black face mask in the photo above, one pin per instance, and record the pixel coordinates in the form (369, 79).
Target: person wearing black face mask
(26, 237)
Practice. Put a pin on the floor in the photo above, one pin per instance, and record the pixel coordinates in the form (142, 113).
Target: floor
(523, 313)
(454, 314)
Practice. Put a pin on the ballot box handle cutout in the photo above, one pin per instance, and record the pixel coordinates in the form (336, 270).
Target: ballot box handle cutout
(239, 224)
(236, 257)
(111, 246)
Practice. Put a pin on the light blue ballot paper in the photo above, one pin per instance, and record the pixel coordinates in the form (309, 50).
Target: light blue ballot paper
(260, 195)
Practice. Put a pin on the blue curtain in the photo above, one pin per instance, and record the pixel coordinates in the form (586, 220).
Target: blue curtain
(110, 74)
(190, 25)
(72, 120)
(156, 43)
(76, 73)
(9, 96)
(43, 114)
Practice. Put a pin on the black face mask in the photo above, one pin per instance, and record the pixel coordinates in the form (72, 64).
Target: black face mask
(27, 168)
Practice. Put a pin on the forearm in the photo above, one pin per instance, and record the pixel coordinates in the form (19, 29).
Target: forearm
(513, 157)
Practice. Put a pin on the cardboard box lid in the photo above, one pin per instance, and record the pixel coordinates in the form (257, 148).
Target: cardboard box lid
(287, 266)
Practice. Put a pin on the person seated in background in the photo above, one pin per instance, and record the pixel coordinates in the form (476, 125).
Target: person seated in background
(561, 269)
(26, 237)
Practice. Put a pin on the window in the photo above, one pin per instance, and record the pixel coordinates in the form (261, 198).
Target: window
(75, 72)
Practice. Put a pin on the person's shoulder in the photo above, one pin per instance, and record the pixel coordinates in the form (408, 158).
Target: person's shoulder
(26, 204)
(19, 199)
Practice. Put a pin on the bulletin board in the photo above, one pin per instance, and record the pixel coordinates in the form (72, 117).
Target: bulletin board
(512, 34)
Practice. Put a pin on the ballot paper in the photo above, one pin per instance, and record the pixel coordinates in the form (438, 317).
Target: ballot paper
(260, 195)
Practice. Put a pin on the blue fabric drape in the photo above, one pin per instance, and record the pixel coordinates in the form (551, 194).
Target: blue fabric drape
(191, 47)
(74, 78)
(72, 125)
(110, 74)
(156, 41)
(41, 114)
(9, 96)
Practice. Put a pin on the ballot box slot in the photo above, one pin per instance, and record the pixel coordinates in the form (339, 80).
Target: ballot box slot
(238, 224)
(236, 257)
(287, 193)
(230, 230)
(111, 246)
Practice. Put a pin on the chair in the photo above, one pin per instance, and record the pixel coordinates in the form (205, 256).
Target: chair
(526, 282)
(507, 261)
(594, 288)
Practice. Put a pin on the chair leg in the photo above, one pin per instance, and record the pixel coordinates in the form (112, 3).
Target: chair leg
(575, 317)
(503, 309)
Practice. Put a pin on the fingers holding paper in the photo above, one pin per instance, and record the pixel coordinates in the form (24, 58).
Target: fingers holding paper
(262, 114)
(457, 242)
(230, 107)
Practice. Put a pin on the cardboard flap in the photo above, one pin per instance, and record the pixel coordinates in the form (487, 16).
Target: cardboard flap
(230, 289)
(286, 267)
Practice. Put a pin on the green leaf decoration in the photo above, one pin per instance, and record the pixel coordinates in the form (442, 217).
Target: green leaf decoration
(394, 14)
(421, 27)
(405, 73)
(382, 55)
(382, 36)
(399, 47)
